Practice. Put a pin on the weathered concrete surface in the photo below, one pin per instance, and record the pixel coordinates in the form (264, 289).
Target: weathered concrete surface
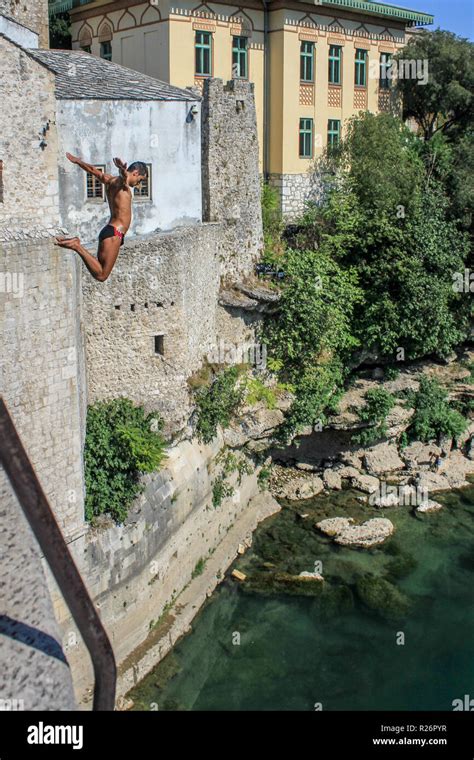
(34, 672)
(178, 620)
(156, 132)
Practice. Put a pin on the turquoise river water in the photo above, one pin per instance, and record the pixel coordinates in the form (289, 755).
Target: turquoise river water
(391, 628)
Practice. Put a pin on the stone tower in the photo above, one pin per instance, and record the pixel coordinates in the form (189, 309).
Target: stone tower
(31, 13)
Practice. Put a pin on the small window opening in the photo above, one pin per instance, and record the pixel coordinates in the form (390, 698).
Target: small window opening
(132, 307)
(160, 344)
(94, 187)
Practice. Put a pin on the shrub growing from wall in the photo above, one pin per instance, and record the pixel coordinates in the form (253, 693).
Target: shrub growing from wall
(122, 442)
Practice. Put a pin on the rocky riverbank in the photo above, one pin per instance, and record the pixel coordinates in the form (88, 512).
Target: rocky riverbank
(389, 472)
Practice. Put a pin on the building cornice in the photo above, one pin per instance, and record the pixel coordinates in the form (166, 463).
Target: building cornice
(368, 10)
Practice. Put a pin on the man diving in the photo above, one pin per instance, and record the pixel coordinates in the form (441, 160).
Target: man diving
(118, 190)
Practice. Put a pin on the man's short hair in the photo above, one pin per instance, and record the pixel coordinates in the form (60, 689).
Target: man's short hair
(140, 167)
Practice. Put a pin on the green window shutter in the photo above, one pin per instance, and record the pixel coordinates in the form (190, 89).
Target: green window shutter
(335, 55)
(203, 46)
(385, 63)
(306, 138)
(239, 58)
(307, 61)
(334, 133)
(361, 68)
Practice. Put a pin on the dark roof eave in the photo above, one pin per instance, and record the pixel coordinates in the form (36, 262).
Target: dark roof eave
(380, 10)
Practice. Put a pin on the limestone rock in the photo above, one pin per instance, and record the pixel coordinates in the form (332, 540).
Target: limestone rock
(371, 533)
(366, 483)
(383, 458)
(352, 458)
(238, 575)
(387, 500)
(254, 424)
(470, 449)
(306, 467)
(456, 467)
(348, 472)
(332, 479)
(419, 454)
(332, 526)
(432, 481)
(429, 506)
(311, 576)
(294, 488)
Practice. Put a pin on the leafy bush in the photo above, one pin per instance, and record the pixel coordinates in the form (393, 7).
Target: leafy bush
(215, 404)
(220, 490)
(434, 417)
(121, 443)
(263, 478)
(379, 403)
(256, 391)
(199, 568)
(315, 391)
(391, 373)
(273, 225)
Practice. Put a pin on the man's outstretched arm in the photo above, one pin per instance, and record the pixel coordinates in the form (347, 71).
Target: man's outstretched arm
(90, 169)
(122, 167)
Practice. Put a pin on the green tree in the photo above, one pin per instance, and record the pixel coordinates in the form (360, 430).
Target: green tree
(390, 218)
(60, 31)
(445, 103)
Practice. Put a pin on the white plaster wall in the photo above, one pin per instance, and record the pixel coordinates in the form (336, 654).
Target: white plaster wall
(156, 132)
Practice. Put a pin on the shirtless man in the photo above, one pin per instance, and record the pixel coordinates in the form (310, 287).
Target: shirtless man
(119, 195)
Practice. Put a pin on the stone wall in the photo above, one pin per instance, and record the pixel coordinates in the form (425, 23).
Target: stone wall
(231, 185)
(34, 673)
(31, 13)
(30, 169)
(165, 285)
(295, 190)
(41, 368)
(42, 362)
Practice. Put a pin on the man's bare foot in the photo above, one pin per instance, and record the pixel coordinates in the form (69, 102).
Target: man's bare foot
(71, 243)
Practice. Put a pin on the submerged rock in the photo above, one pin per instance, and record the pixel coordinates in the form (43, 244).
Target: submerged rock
(283, 583)
(370, 533)
(429, 506)
(400, 566)
(383, 597)
(334, 525)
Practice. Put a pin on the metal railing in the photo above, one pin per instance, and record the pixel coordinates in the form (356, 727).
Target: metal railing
(39, 514)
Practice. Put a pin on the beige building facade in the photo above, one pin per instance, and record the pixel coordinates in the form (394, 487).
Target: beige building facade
(313, 65)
